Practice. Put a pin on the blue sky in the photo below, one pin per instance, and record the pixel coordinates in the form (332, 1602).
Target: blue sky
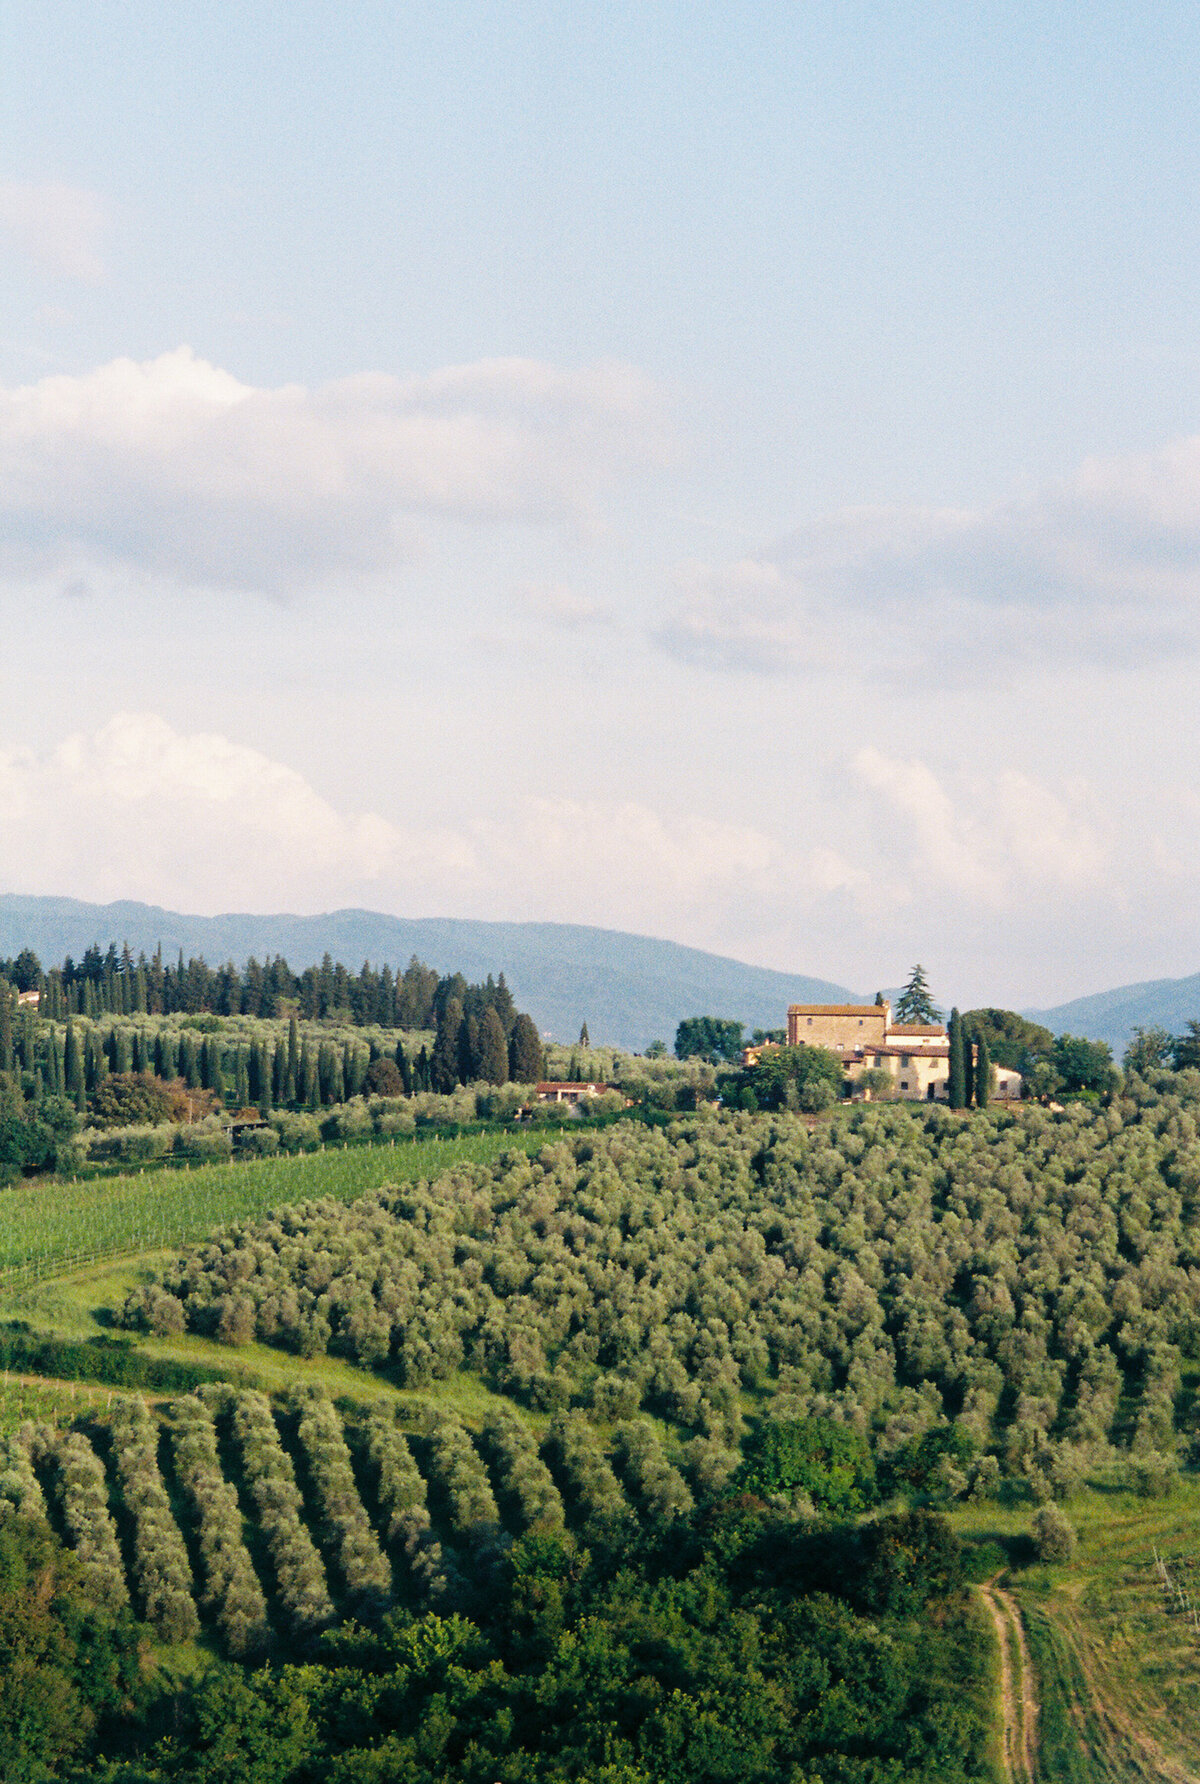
(727, 472)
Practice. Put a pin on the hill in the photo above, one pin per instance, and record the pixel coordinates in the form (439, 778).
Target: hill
(629, 989)
(1112, 1016)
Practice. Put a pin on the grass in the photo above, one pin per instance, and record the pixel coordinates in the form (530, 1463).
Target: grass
(1118, 1671)
(48, 1226)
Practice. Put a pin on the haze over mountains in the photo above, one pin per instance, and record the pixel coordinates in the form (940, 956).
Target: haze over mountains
(629, 989)
(1112, 1016)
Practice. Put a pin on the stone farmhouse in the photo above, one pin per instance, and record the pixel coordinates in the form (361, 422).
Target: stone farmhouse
(865, 1037)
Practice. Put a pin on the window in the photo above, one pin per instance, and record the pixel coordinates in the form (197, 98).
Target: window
(904, 1083)
(810, 1021)
(905, 1060)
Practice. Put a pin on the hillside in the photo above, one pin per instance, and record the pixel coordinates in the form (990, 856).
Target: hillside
(1112, 1016)
(629, 989)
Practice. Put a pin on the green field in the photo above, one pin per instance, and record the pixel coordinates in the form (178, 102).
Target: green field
(48, 1226)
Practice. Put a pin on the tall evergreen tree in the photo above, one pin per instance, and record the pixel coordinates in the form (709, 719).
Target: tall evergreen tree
(309, 1087)
(406, 1071)
(956, 1088)
(443, 1066)
(915, 1005)
(241, 1080)
(493, 1052)
(73, 1068)
(583, 1037)
(264, 1056)
(525, 1056)
(983, 1074)
(6, 1026)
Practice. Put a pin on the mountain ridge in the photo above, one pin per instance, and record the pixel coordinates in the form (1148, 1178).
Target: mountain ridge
(629, 989)
(1113, 1015)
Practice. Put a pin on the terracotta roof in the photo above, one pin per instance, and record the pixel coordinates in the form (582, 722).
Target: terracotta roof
(917, 1028)
(908, 1053)
(837, 1010)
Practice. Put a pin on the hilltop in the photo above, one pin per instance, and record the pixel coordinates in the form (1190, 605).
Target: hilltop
(1113, 1015)
(629, 989)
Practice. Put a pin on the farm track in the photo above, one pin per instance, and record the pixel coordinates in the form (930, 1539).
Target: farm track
(1018, 1699)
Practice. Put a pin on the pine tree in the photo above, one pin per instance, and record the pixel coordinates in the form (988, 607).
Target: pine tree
(983, 1075)
(916, 1006)
(957, 1085)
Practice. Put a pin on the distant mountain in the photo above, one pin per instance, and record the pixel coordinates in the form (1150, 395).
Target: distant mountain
(629, 989)
(1112, 1016)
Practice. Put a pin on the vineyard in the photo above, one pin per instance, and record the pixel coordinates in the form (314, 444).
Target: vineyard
(263, 1525)
(46, 1228)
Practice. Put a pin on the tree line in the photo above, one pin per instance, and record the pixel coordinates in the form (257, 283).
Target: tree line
(113, 982)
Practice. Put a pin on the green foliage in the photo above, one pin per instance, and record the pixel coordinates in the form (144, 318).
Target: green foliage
(828, 1461)
(807, 1078)
(1012, 1040)
(915, 1005)
(1053, 1534)
(1081, 1065)
(67, 1663)
(714, 1038)
(127, 1099)
(957, 1085)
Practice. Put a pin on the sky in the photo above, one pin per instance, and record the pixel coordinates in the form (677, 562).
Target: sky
(728, 472)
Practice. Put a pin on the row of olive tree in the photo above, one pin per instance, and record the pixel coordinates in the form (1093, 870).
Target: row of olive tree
(160, 1563)
(401, 1495)
(231, 1593)
(271, 1479)
(360, 1560)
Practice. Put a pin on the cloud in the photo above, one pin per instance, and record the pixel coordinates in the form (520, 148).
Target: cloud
(742, 616)
(138, 809)
(1003, 836)
(59, 228)
(176, 469)
(560, 605)
(1102, 567)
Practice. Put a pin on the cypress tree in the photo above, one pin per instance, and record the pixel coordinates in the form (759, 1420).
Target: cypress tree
(423, 1074)
(957, 1086)
(214, 1074)
(583, 1037)
(493, 1053)
(279, 1078)
(73, 1068)
(525, 1057)
(6, 1026)
(293, 1054)
(241, 1080)
(308, 1087)
(406, 1072)
(443, 1067)
(983, 1075)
